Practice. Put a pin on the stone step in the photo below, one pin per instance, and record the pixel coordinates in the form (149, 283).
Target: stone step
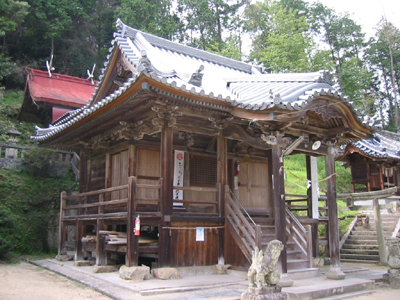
(361, 242)
(322, 289)
(348, 295)
(359, 256)
(362, 237)
(359, 251)
(361, 261)
(360, 246)
(389, 229)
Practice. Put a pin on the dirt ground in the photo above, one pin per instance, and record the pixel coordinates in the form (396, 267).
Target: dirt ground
(24, 281)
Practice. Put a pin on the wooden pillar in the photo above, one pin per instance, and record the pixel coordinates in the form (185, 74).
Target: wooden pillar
(79, 255)
(84, 176)
(333, 224)
(381, 170)
(279, 201)
(222, 179)
(132, 250)
(62, 232)
(167, 171)
(101, 256)
(397, 181)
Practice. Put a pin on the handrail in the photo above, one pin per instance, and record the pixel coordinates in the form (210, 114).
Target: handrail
(246, 234)
(97, 192)
(300, 235)
(242, 207)
(396, 230)
(343, 240)
(293, 217)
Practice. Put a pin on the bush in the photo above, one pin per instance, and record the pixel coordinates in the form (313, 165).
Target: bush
(30, 205)
(37, 161)
(7, 224)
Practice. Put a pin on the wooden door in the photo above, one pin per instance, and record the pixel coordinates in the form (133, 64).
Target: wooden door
(148, 172)
(253, 190)
(119, 173)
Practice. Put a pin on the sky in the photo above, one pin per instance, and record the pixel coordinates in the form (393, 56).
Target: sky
(367, 13)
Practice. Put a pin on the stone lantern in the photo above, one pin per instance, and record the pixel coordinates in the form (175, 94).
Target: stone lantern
(12, 152)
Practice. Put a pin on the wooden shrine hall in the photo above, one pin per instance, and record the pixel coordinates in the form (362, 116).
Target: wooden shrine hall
(48, 96)
(374, 162)
(192, 144)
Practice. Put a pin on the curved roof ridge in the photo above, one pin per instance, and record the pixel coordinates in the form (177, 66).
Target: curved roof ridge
(185, 49)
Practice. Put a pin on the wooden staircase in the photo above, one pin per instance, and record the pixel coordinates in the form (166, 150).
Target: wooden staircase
(361, 243)
(251, 229)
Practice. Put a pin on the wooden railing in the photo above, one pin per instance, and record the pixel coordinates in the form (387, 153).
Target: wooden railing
(104, 205)
(209, 207)
(100, 204)
(245, 232)
(295, 202)
(301, 236)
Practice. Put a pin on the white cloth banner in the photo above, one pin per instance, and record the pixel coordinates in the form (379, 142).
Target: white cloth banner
(179, 169)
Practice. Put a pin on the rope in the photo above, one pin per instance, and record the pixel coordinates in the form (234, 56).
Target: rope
(178, 228)
(309, 182)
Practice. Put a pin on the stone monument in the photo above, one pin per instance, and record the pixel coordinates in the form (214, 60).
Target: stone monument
(392, 277)
(264, 274)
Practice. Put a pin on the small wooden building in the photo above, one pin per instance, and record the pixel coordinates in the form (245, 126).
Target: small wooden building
(192, 143)
(48, 97)
(374, 162)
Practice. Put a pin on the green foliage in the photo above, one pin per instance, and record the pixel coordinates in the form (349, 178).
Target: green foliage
(229, 48)
(281, 40)
(11, 14)
(204, 21)
(153, 16)
(295, 183)
(10, 103)
(296, 175)
(31, 205)
(37, 161)
(7, 224)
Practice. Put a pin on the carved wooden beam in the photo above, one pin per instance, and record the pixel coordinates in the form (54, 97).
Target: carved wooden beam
(166, 114)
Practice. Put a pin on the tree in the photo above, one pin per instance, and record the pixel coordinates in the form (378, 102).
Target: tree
(205, 21)
(152, 16)
(279, 37)
(12, 13)
(342, 35)
(381, 54)
(231, 47)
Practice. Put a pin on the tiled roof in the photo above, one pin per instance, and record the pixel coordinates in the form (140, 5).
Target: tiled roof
(232, 82)
(383, 144)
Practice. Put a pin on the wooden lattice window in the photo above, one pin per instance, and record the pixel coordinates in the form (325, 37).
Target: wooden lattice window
(203, 170)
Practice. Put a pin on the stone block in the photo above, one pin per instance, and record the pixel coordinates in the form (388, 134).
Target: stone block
(335, 273)
(222, 269)
(64, 257)
(134, 273)
(166, 273)
(264, 293)
(318, 262)
(392, 277)
(105, 269)
(81, 263)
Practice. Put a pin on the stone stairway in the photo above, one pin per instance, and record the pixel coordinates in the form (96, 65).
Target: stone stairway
(362, 243)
